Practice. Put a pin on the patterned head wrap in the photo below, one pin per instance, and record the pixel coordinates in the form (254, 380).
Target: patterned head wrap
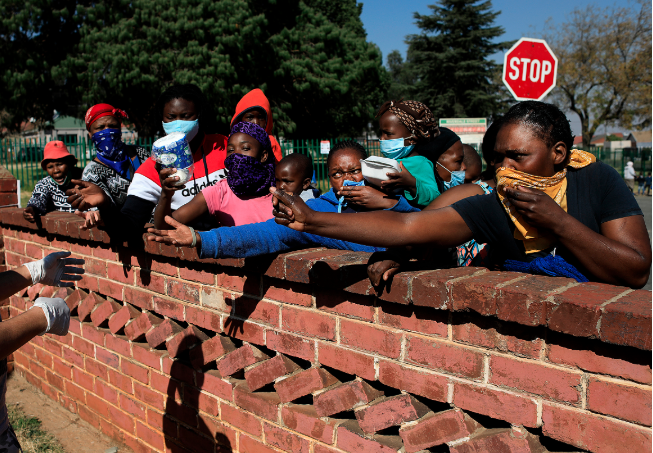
(417, 117)
(100, 110)
(255, 131)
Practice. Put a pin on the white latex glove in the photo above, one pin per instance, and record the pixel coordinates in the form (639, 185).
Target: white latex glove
(54, 270)
(56, 312)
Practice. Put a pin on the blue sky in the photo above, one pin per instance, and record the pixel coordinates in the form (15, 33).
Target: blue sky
(387, 22)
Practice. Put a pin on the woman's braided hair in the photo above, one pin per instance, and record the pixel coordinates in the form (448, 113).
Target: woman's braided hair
(417, 118)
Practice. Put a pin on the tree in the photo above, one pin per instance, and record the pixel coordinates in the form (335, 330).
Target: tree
(450, 59)
(36, 35)
(311, 59)
(401, 77)
(604, 72)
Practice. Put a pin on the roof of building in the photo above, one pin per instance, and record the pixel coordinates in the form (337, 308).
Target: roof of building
(641, 136)
(69, 122)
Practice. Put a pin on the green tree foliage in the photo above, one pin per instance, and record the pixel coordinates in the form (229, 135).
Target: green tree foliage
(401, 78)
(311, 59)
(35, 36)
(451, 59)
(604, 71)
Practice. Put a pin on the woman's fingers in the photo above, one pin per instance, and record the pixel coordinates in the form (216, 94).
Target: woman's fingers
(173, 223)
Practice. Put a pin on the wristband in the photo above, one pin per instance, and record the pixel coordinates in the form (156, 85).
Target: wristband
(192, 232)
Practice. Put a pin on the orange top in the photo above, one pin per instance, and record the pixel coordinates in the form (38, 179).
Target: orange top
(254, 99)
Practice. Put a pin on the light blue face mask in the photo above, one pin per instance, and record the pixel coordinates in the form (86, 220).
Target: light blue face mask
(394, 148)
(457, 178)
(190, 128)
(341, 201)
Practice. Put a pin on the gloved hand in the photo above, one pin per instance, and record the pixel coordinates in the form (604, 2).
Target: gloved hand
(56, 270)
(56, 312)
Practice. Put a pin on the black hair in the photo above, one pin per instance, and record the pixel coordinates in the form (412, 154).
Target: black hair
(192, 93)
(547, 122)
(302, 161)
(347, 144)
(471, 157)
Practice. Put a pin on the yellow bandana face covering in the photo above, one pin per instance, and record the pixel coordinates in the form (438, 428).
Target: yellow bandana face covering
(554, 186)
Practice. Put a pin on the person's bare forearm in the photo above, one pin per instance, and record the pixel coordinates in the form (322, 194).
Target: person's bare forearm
(13, 281)
(607, 260)
(17, 331)
(163, 208)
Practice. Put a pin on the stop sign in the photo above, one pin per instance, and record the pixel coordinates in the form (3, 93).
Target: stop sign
(529, 69)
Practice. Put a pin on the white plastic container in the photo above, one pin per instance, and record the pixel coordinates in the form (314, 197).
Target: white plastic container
(375, 169)
(173, 151)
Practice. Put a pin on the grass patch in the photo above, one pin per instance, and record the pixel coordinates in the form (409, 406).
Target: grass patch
(28, 430)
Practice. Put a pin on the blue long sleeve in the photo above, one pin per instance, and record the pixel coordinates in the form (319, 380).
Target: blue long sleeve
(269, 237)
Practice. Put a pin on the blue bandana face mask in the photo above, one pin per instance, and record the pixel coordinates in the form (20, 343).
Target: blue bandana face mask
(110, 150)
(190, 128)
(394, 148)
(457, 178)
(341, 201)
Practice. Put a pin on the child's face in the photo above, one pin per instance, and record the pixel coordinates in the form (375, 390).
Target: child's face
(247, 145)
(390, 127)
(255, 116)
(345, 165)
(453, 160)
(289, 179)
(57, 169)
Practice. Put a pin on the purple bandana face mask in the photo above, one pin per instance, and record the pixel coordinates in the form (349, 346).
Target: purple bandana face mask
(249, 177)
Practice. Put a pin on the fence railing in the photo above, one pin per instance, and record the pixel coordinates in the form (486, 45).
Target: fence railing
(22, 157)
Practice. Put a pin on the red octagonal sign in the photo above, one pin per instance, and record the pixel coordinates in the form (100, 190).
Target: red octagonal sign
(529, 69)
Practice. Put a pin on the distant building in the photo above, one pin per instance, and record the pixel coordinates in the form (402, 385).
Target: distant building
(640, 139)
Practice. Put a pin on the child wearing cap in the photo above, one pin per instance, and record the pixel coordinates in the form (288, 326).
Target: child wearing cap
(50, 192)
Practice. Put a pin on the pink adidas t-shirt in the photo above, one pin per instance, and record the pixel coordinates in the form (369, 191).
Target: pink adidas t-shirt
(233, 211)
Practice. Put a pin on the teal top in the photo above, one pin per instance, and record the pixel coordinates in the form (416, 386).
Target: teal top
(427, 188)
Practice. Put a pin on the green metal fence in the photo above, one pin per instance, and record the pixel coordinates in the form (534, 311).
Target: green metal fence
(22, 156)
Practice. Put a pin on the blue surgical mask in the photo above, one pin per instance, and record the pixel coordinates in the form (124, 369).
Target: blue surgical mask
(394, 148)
(457, 178)
(341, 201)
(190, 128)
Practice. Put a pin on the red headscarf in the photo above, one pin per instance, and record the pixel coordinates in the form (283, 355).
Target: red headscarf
(100, 110)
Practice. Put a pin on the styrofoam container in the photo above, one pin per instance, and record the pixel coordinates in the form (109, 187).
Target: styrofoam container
(173, 151)
(375, 169)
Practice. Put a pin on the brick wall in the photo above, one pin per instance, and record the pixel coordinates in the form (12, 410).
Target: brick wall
(297, 353)
(8, 196)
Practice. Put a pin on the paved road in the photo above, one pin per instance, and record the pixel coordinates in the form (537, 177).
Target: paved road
(645, 205)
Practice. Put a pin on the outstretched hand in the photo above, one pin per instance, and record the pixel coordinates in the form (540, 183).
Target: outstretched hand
(537, 208)
(86, 195)
(289, 210)
(91, 219)
(180, 236)
(401, 180)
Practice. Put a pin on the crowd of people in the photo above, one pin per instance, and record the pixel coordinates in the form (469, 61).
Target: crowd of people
(540, 206)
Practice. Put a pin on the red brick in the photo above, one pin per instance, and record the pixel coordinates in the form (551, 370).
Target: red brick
(125, 314)
(75, 392)
(96, 267)
(288, 293)
(534, 377)
(149, 357)
(93, 334)
(211, 350)
(444, 356)
(170, 308)
(52, 346)
(244, 330)
(148, 396)
(620, 399)
(241, 420)
(627, 321)
(96, 368)
(107, 357)
(433, 289)
(285, 440)
(150, 436)
(479, 293)
(361, 335)
(83, 379)
(185, 339)
(111, 288)
(303, 383)
(577, 310)
(213, 298)
(240, 358)
(249, 444)
(88, 416)
(490, 333)
(593, 432)
(494, 440)
(164, 266)
(203, 318)
(388, 412)
(141, 299)
(34, 290)
(598, 358)
(222, 434)
(104, 252)
(88, 305)
(159, 334)
(524, 301)
(200, 274)
(211, 381)
(138, 372)
(414, 318)
(344, 397)
(90, 283)
(517, 409)
(62, 368)
(74, 299)
(346, 304)
(418, 382)
(263, 404)
(97, 405)
(100, 316)
(304, 420)
(291, 344)
(141, 325)
(347, 361)
(257, 310)
(54, 380)
(241, 282)
(437, 429)
(351, 438)
(44, 357)
(120, 273)
(106, 392)
(308, 322)
(180, 289)
(196, 399)
(132, 407)
(121, 381)
(82, 346)
(268, 371)
(121, 419)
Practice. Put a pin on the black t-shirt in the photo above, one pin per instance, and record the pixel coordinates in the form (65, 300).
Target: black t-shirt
(595, 194)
